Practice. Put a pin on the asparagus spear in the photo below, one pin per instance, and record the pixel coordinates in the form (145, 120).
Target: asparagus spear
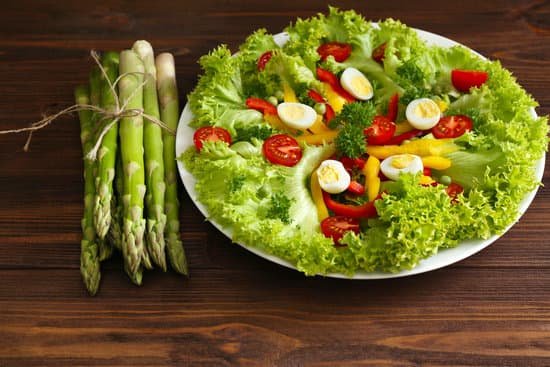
(169, 113)
(115, 230)
(95, 99)
(89, 261)
(154, 164)
(107, 151)
(131, 147)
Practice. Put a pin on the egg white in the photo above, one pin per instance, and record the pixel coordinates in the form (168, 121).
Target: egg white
(422, 122)
(357, 84)
(296, 115)
(393, 173)
(333, 185)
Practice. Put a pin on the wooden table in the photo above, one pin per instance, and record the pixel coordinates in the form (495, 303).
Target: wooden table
(491, 309)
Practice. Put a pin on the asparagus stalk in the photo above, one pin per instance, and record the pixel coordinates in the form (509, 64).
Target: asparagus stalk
(169, 113)
(95, 99)
(154, 164)
(131, 144)
(89, 261)
(115, 230)
(107, 151)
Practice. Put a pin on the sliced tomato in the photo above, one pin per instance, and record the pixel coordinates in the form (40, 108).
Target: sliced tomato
(453, 190)
(367, 210)
(379, 52)
(398, 139)
(282, 149)
(261, 105)
(463, 80)
(336, 227)
(210, 133)
(263, 59)
(356, 188)
(380, 131)
(393, 106)
(340, 51)
(328, 77)
(452, 126)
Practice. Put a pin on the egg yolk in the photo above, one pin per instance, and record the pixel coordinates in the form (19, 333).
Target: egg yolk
(328, 174)
(402, 161)
(293, 112)
(361, 85)
(426, 109)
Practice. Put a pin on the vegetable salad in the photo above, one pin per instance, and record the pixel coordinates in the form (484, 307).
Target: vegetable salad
(358, 147)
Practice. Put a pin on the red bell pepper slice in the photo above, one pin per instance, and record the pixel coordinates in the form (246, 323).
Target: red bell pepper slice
(328, 77)
(329, 111)
(367, 210)
(316, 96)
(398, 139)
(392, 107)
(261, 105)
(356, 188)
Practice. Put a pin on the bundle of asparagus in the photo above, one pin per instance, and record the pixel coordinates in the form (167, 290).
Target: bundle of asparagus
(130, 189)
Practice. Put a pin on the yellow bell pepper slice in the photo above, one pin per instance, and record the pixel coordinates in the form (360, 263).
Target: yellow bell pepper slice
(426, 180)
(317, 196)
(288, 93)
(442, 105)
(319, 126)
(436, 162)
(335, 100)
(403, 127)
(318, 139)
(420, 147)
(372, 181)
(278, 124)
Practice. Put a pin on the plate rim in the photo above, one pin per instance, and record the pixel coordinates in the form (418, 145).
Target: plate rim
(441, 259)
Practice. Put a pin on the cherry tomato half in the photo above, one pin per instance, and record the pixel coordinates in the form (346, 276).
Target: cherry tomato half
(263, 59)
(381, 130)
(379, 52)
(340, 51)
(463, 80)
(282, 149)
(452, 126)
(336, 227)
(210, 133)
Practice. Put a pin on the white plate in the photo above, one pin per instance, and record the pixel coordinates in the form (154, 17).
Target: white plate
(184, 140)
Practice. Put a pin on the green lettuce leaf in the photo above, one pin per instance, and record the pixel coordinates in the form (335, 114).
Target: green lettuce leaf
(219, 97)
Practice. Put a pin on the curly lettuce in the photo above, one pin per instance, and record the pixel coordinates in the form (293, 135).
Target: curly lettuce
(270, 206)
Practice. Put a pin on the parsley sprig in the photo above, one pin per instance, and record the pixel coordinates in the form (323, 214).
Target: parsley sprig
(352, 120)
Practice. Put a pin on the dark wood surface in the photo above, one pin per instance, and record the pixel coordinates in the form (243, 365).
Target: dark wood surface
(237, 309)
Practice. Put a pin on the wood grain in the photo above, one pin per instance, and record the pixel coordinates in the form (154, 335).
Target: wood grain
(492, 309)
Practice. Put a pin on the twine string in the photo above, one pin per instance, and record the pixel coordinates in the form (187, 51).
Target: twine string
(114, 116)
